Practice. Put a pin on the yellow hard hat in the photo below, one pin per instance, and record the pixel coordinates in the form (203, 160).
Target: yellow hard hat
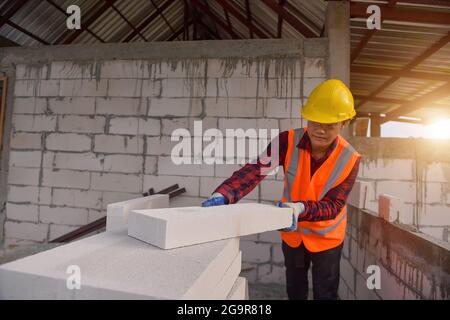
(330, 102)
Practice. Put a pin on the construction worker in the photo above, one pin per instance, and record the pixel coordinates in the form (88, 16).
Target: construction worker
(320, 167)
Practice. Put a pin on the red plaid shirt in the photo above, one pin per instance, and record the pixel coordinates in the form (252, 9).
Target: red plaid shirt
(247, 178)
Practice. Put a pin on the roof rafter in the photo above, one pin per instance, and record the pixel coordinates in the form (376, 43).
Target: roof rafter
(16, 7)
(28, 33)
(128, 22)
(379, 99)
(358, 10)
(147, 21)
(280, 19)
(162, 15)
(215, 18)
(371, 115)
(423, 101)
(249, 16)
(208, 29)
(368, 35)
(428, 52)
(72, 36)
(180, 30)
(66, 14)
(5, 19)
(215, 24)
(291, 19)
(401, 73)
(230, 8)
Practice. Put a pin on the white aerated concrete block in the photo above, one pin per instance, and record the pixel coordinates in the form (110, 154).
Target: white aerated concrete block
(359, 195)
(239, 290)
(184, 226)
(117, 213)
(229, 277)
(114, 266)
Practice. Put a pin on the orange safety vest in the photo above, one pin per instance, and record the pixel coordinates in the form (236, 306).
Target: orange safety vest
(300, 186)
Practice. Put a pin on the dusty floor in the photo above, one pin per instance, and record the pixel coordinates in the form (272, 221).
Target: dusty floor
(267, 292)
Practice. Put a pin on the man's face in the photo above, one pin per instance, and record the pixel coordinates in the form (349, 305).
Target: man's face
(323, 134)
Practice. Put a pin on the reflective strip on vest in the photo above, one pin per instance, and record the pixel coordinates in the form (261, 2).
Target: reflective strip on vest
(341, 162)
(324, 231)
(339, 166)
(291, 172)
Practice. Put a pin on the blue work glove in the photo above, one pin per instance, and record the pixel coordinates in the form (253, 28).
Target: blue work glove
(298, 209)
(216, 199)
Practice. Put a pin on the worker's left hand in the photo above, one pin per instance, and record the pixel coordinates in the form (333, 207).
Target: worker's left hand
(298, 209)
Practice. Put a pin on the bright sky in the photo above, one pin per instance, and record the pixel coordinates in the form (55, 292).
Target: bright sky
(437, 130)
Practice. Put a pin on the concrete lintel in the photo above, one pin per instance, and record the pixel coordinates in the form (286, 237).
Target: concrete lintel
(158, 50)
(316, 48)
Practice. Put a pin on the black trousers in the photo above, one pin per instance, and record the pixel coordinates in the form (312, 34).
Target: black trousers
(325, 272)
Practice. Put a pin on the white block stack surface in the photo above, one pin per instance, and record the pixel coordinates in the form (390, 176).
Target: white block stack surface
(115, 266)
(239, 291)
(227, 281)
(177, 227)
(117, 213)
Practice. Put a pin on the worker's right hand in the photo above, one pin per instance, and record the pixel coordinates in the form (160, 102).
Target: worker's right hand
(216, 199)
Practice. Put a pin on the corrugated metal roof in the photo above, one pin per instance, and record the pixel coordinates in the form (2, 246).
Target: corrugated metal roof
(389, 50)
(393, 48)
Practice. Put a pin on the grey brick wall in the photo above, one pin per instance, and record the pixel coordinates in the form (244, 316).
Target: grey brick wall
(93, 128)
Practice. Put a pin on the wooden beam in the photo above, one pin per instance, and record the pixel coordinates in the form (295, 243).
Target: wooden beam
(194, 18)
(208, 29)
(228, 7)
(400, 73)
(379, 99)
(291, 19)
(219, 21)
(148, 20)
(227, 16)
(180, 31)
(28, 33)
(185, 20)
(5, 42)
(280, 19)
(5, 19)
(18, 4)
(358, 10)
(215, 24)
(249, 17)
(128, 22)
(162, 16)
(437, 3)
(427, 53)
(421, 102)
(367, 36)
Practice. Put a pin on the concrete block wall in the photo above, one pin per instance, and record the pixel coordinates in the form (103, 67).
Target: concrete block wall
(412, 265)
(93, 128)
(415, 171)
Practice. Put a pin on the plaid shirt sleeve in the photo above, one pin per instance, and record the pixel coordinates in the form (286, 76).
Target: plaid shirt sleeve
(330, 206)
(244, 180)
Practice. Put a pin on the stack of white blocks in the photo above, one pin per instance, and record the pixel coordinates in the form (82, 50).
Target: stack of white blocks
(131, 261)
